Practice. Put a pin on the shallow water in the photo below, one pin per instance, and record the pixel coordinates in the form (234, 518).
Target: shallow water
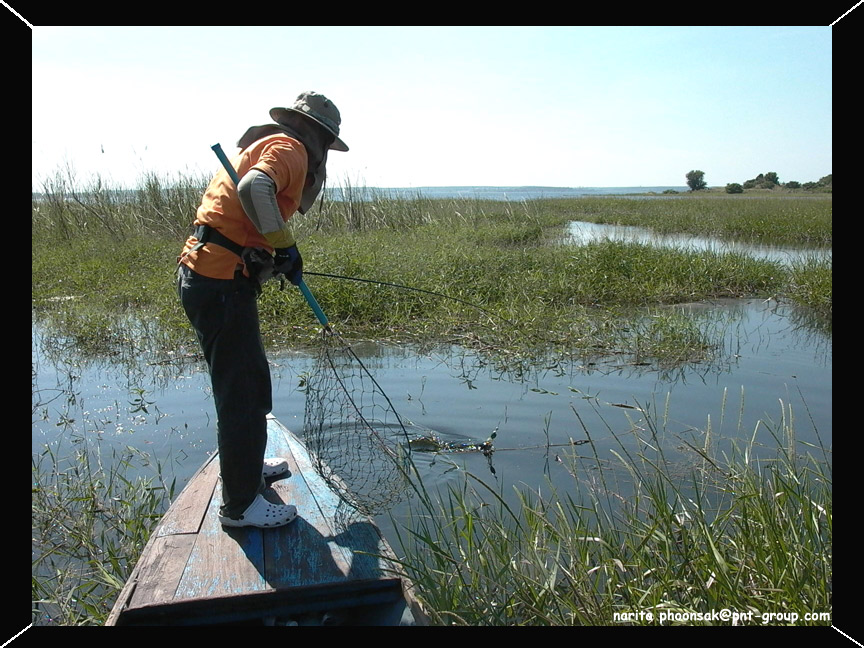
(580, 233)
(771, 362)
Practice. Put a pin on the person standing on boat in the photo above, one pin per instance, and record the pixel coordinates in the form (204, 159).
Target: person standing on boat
(242, 238)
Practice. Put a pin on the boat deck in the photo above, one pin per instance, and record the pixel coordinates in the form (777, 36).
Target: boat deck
(196, 572)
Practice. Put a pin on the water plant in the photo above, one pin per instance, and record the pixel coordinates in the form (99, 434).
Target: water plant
(631, 543)
(91, 517)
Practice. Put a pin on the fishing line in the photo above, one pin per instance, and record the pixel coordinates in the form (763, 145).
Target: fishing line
(489, 313)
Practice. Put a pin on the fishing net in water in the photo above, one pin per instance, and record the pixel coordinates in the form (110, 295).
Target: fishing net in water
(355, 436)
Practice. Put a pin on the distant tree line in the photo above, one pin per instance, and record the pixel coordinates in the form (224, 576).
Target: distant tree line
(770, 180)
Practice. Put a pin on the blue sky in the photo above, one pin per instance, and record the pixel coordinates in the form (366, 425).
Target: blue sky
(438, 106)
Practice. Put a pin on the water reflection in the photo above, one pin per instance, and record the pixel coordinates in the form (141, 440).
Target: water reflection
(581, 233)
(768, 358)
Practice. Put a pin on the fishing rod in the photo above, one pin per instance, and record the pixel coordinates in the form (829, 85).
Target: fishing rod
(391, 284)
(310, 298)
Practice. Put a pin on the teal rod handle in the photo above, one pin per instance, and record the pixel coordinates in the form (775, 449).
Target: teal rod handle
(310, 298)
(313, 304)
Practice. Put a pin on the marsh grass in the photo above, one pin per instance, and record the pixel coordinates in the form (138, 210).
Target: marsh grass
(778, 219)
(747, 529)
(529, 298)
(91, 517)
(94, 499)
(121, 247)
(70, 208)
(811, 284)
(532, 295)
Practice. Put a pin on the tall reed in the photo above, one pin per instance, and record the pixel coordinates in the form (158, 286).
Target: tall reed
(67, 208)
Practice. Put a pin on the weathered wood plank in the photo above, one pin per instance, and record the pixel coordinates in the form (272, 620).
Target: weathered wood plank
(301, 554)
(361, 541)
(163, 560)
(224, 561)
(372, 602)
(187, 512)
(161, 569)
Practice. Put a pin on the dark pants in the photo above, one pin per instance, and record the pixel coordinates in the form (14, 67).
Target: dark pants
(224, 314)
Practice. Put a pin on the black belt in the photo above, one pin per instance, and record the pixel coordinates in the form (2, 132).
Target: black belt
(206, 234)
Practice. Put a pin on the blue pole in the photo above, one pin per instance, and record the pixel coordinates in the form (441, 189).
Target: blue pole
(313, 303)
(310, 298)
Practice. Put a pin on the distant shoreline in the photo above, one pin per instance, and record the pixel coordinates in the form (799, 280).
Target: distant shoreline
(519, 193)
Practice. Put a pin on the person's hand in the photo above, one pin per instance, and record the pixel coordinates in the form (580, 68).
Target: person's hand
(288, 262)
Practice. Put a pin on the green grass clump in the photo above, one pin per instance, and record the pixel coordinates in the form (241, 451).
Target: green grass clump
(810, 284)
(742, 533)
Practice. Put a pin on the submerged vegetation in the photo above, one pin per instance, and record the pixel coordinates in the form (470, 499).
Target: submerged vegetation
(739, 532)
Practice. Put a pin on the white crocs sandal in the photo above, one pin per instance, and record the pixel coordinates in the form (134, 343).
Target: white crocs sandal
(274, 467)
(262, 513)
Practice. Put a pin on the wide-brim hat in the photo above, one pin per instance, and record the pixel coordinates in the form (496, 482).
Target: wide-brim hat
(319, 109)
